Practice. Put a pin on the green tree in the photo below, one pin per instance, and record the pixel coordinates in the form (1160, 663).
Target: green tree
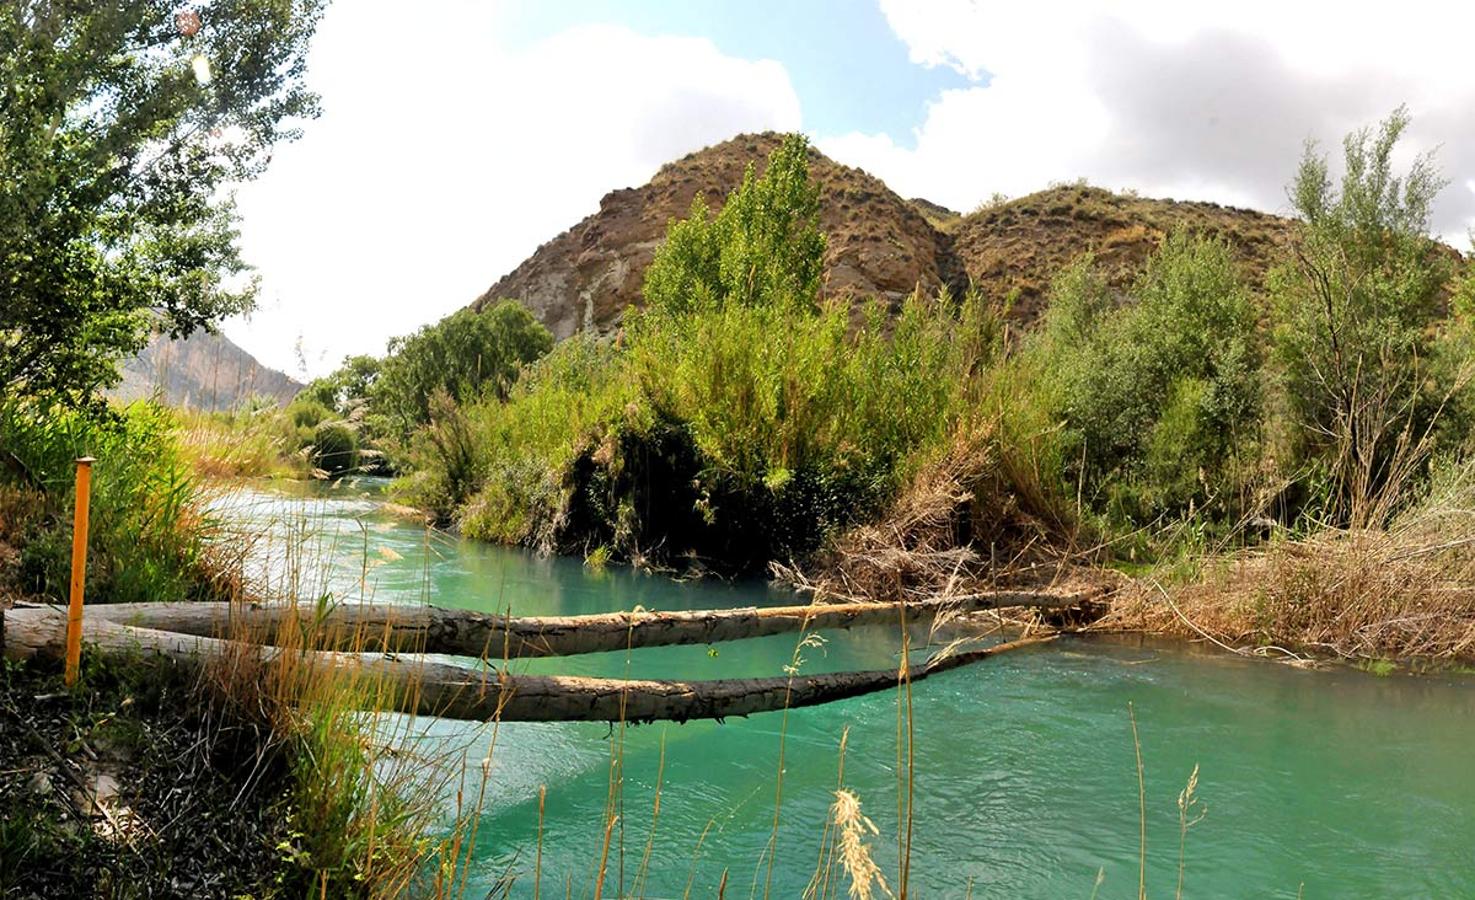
(1160, 396)
(764, 248)
(346, 387)
(467, 354)
(121, 124)
(1354, 315)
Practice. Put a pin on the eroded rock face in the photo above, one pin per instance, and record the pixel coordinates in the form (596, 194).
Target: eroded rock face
(879, 243)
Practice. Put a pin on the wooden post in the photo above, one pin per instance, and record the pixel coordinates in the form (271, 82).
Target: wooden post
(79, 568)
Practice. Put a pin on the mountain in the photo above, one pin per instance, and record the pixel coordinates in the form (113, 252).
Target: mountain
(203, 371)
(880, 244)
(1016, 247)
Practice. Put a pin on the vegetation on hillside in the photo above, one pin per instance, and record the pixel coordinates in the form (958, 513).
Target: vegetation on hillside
(736, 420)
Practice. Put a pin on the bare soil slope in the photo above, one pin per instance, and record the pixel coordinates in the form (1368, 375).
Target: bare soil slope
(880, 244)
(203, 371)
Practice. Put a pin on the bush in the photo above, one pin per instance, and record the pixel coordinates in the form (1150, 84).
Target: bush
(149, 535)
(1453, 366)
(335, 447)
(566, 407)
(1161, 398)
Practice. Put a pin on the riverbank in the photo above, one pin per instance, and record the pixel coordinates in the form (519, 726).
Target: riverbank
(133, 783)
(326, 806)
(1038, 690)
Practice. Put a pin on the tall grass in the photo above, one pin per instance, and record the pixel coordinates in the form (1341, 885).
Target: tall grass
(150, 535)
(369, 788)
(253, 442)
(367, 793)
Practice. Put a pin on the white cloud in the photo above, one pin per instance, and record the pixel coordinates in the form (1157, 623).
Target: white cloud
(1205, 101)
(442, 160)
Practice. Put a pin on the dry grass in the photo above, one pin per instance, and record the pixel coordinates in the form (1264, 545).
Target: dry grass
(853, 828)
(238, 445)
(957, 527)
(379, 806)
(20, 513)
(370, 786)
(1404, 592)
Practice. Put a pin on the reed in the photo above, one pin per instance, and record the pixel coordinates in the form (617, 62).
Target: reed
(369, 788)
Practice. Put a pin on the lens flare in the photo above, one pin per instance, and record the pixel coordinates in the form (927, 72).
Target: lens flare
(201, 65)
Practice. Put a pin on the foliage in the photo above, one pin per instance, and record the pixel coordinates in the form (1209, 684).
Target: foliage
(1353, 320)
(1452, 365)
(346, 388)
(1161, 397)
(559, 412)
(335, 447)
(736, 420)
(150, 537)
(113, 214)
(466, 354)
(763, 249)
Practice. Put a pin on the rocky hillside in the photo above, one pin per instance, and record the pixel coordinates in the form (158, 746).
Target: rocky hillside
(1016, 247)
(879, 243)
(203, 371)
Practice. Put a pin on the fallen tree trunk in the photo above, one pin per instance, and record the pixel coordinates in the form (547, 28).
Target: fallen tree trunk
(461, 632)
(418, 686)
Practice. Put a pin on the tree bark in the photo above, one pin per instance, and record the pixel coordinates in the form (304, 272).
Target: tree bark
(418, 686)
(460, 632)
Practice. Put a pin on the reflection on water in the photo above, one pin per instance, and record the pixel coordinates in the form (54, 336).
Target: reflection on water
(1025, 775)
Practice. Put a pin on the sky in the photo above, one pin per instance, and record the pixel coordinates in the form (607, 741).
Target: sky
(459, 135)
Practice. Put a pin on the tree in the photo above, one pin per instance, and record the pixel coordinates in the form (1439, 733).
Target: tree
(763, 248)
(1160, 395)
(121, 126)
(346, 387)
(1354, 315)
(465, 355)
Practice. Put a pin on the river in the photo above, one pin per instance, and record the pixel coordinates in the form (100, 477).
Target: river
(1312, 783)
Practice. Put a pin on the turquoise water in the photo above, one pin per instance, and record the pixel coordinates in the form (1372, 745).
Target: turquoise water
(1315, 783)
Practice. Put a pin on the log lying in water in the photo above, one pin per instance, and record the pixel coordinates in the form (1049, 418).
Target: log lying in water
(460, 632)
(418, 686)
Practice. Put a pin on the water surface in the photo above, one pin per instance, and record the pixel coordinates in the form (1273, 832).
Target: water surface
(1315, 784)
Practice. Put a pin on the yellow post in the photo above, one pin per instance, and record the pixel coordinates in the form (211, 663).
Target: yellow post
(79, 568)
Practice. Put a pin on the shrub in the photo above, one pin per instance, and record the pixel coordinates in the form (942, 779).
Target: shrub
(563, 409)
(335, 447)
(1161, 398)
